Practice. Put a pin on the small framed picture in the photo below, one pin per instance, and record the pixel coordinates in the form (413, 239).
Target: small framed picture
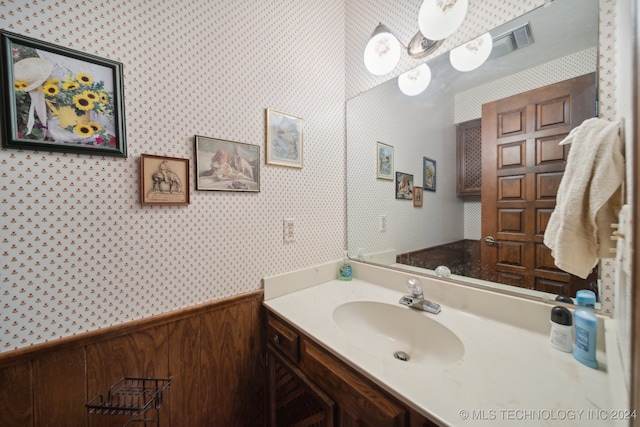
(404, 186)
(417, 197)
(58, 99)
(164, 180)
(284, 144)
(429, 174)
(384, 161)
(226, 165)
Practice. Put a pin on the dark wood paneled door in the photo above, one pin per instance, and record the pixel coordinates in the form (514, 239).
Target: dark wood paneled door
(522, 165)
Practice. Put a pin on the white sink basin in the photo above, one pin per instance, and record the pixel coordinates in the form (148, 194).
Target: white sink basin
(386, 329)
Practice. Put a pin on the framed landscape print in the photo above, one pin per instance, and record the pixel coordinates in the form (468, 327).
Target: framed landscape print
(59, 99)
(164, 180)
(284, 144)
(404, 186)
(226, 165)
(429, 174)
(384, 161)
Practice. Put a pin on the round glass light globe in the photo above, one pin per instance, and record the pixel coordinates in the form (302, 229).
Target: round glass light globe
(382, 54)
(415, 81)
(438, 19)
(472, 54)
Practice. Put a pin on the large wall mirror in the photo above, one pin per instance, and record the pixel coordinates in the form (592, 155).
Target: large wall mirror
(554, 43)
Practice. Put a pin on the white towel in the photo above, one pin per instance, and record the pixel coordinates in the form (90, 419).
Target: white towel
(588, 200)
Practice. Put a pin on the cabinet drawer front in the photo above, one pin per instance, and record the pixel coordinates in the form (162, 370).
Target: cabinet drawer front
(283, 338)
(355, 395)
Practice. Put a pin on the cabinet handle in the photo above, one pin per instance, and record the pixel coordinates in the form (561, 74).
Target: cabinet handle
(276, 339)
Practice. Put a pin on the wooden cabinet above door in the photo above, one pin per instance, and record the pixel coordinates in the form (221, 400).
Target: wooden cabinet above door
(469, 159)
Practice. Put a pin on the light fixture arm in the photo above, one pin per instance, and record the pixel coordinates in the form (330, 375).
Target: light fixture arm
(419, 46)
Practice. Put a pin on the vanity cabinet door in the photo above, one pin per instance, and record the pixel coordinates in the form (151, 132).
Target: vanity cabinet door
(308, 386)
(360, 402)
(292, 399)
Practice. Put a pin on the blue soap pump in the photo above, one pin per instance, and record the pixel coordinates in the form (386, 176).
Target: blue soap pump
(586, 328)
(346, 272)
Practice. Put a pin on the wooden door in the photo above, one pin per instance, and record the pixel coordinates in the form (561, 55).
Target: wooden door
(522, 165)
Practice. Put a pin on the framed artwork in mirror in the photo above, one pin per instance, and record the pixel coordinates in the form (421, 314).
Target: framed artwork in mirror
(417, 197)
(429, 174)
(404, 186)
(384, 161)
(226, 165)
(164, 180)
(59, 99)
(284, 144)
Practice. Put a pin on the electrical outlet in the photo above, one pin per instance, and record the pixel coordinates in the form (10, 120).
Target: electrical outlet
(383, 223)
(289, 235)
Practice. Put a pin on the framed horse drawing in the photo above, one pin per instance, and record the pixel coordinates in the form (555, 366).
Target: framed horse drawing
(164, 180)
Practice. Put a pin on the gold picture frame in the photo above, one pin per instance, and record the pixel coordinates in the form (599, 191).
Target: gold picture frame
(384, 161)
(284, 139)
(164, 180)
(418, 197)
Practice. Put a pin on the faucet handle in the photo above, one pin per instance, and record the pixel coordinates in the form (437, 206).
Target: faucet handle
(415, 287)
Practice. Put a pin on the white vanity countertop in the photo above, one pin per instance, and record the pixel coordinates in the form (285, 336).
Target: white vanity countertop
(509, 374)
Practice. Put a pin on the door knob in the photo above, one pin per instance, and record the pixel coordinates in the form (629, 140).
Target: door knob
(489, 240)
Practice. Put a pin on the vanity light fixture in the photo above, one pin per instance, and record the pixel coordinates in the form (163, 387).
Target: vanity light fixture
(437, 19)
(472, 54)
(415, 81)
(382, 53)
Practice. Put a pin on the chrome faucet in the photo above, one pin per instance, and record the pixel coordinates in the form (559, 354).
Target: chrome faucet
(416, 299)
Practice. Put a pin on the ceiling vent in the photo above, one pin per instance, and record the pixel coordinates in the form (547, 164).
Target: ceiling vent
(515, 39)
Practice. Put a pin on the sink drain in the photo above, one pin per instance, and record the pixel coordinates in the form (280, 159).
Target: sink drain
(401, 355)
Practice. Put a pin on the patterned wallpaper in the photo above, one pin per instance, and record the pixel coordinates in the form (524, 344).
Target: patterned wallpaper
(401, 123)
(79, 252)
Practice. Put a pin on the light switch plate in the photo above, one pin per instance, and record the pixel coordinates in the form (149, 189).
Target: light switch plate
(289, 235)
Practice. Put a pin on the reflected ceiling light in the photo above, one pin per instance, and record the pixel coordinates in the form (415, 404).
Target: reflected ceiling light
(438, 19)
(473, 54)
(382, 53)
(415, 81)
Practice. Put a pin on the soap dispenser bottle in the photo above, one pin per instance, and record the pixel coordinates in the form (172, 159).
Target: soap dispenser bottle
(346, 272)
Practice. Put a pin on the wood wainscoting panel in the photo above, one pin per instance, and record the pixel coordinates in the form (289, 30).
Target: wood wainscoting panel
(142, 353)
(462, 257)
(59, 378)
(16, 401)
(213, 353)
(230, 338)
(184, 369)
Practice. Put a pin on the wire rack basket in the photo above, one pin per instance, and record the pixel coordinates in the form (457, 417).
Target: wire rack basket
(131, 396)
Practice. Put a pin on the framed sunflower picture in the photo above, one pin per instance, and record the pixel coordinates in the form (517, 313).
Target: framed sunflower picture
(58, 99)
